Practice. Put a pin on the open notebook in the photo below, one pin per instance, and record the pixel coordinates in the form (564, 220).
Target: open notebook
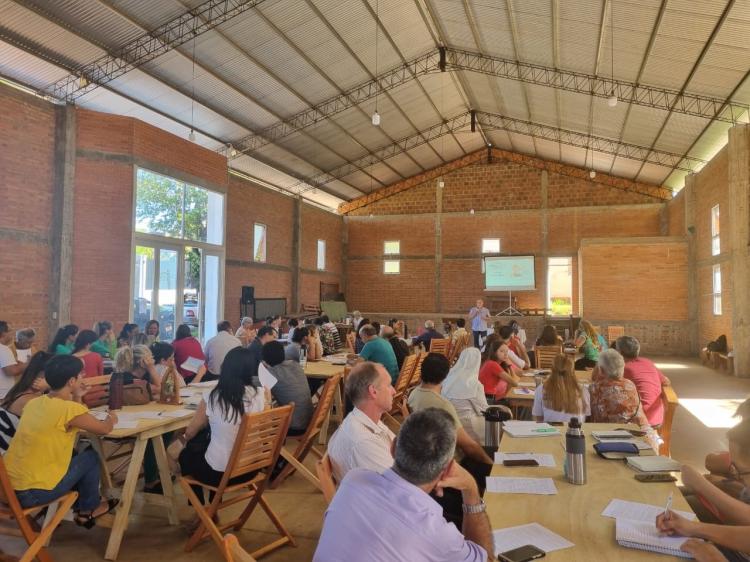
(644, 536)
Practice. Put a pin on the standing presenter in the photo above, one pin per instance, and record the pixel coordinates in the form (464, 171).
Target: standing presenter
(478, 316)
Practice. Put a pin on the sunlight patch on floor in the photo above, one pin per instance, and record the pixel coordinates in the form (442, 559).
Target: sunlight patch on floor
(671, 366)
(714, 413)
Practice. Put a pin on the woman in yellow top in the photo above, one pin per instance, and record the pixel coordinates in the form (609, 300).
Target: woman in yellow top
(39, 460)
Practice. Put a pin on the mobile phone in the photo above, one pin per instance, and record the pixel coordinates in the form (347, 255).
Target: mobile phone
(520, 462)
(521, 554)
(655, 477)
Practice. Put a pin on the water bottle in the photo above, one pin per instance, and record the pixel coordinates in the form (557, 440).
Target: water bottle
(303, 356)
(575, 453)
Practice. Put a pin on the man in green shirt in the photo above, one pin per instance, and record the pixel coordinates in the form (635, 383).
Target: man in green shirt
(378, 350)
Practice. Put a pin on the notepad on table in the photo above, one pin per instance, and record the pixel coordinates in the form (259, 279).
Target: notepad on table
(503, 485)
(532, 533)
(542, 459)
(636, 511)
(529, 429)
(616, 434)
(654, 463)
(645, 536)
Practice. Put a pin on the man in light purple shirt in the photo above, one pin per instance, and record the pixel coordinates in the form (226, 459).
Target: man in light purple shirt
(391, 516)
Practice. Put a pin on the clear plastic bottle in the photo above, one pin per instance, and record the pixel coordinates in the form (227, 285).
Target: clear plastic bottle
(303, 356)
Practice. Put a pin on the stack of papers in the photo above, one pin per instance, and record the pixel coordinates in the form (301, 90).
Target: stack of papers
(503, 485)
(533, 533)
(636, 511)
(654, 463)
(542, 459)
(516, 428)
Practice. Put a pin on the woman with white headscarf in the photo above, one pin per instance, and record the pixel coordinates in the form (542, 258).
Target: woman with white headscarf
(466, 393)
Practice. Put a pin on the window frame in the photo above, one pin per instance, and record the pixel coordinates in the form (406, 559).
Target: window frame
(397, 263)
(499, 246)
(550, 265)
(716, 289)
(385, 247)
(715, 230)
(321, 267)
(265, 243)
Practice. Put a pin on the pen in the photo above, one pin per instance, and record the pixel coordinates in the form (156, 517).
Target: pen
(668, 506)
(544, 430)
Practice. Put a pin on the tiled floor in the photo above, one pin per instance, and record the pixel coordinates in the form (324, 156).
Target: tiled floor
(699, 427)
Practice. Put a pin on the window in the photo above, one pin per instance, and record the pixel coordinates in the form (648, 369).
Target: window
(560, 286)
(715, 238)
(717, 289)
(391, 267)
(490, 245)
(178, 256)
(259, 242)
(321, 255)
(392, 247)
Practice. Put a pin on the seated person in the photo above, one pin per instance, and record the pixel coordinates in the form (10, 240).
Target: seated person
(399, 346)
(549, 337)
(291, 386)
(93, 365)
(503, 335)
(245, 333)
(469, 452)
(648, 380)
(460, 331)
(292, 323)
(392, 516)
(10, 368)
(185, 347)
(299, 340)
(497, 375)
(466, 393)
(264, 335)
(237, 393)
(378, 350)
(362, 440)
(24, 346)
(106, 343)
(62, 343)
(314, 345)
(40, 460)
(591, 344)
(719, 464)
(163, 354)
(426, 337)
(561, 397)
(127, 334)
(137, 364)
(32, 384)
(515, 342)
(329, 336)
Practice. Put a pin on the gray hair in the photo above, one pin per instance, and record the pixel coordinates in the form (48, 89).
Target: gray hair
(368, 330)
(425, 445)
(429, 324)
(386, 331)
(628, 346)
(611, 364)
(25, 336)
(246, 320)
(359, 380)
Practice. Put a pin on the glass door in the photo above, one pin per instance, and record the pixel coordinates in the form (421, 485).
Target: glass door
(213, 307)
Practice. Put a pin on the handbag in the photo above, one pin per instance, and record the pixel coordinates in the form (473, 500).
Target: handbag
(136, 393)
(617, 450)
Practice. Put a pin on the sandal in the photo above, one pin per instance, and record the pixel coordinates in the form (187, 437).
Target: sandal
(88, 521)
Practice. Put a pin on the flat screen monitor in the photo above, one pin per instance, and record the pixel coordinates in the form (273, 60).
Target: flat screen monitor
(509, 273)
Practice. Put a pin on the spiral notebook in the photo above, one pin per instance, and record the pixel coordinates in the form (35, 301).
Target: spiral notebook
(645, 536)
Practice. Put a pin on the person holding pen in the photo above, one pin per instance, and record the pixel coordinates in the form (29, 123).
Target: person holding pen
(478, 316)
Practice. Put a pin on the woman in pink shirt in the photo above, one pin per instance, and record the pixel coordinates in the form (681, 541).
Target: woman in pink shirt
(186, 346)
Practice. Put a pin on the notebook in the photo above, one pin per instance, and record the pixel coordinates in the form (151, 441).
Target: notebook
(529, 429)
(645, 536)
(616, 434)
(655, 463)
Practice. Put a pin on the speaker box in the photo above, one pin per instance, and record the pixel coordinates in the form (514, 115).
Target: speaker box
(248, 294)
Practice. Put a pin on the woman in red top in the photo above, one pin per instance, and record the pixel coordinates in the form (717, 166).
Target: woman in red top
(186, 346)
(497, 374)
(93, 366)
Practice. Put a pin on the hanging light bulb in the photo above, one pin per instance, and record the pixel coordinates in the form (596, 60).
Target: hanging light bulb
(592, 174)
(612, 99)
(376, 118)
(82, 82)
(191, 136)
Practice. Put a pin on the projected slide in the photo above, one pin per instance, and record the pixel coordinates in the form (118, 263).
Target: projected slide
(509, 273)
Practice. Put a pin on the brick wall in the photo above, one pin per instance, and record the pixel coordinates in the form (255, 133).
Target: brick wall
(27, 130)
(676, 215)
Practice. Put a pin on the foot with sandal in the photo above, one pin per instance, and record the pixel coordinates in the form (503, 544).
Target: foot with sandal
(88, 520)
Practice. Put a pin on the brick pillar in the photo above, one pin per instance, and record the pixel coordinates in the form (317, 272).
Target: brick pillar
(296, 255)
(739, 222)
(693, 296)
(438, 242)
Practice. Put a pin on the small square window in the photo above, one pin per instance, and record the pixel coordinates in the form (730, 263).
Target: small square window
(321, 255)
(259, 242)
(391, 267)
(392, 247)
(717, 290)
(490, 245)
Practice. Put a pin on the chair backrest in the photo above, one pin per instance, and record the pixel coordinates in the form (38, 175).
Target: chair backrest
(614, 332)
(415, 376)
(98, 393)
(258, 442)
(324, 469)
(351, 340)
(440, 345)
(404, 376)
(670, 401)
(8, 496)
(325, 401)
(461, 343)
(545, 354)
(233, 552)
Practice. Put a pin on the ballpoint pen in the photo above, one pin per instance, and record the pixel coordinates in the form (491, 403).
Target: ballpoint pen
(668, 506)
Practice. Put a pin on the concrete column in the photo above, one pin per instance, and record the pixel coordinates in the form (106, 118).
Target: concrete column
(438, 242)
(693, 296)
(61, 231)
(739, 224)
(296, 255)
(345, 256)
(545, 230)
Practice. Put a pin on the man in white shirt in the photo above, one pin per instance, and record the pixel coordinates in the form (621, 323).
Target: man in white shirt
(362, 440)
(9, 367)
(218, 347)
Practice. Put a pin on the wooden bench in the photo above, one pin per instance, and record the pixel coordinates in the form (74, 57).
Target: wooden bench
(717, 360)
(670, 401)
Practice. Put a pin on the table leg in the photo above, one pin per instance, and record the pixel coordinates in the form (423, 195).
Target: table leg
(106, 477)
(338, 404)
(166, 478)
(126, 500)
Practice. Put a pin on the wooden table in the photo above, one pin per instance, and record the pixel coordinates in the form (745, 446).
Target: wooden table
(575, 511)
(325, 370)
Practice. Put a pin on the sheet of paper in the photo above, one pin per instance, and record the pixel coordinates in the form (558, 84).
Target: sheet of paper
(181, 413)
(126, 424)
(266, 378)
(532, 533)
(192, 364)
(542, 459)
(504, 485)
(636, 511)
(186, 393)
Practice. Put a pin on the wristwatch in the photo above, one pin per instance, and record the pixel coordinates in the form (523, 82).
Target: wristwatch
(480, 507)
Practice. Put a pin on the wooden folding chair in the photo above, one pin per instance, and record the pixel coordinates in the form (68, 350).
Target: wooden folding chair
(402, 382)
(441, 346)
(36, 538)
(545, 355)
(416, 375)
(233, 552)
(459, 345)
(256, 450)
(351, 339)
(324, 468)
(306, 440)
(670, 401)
